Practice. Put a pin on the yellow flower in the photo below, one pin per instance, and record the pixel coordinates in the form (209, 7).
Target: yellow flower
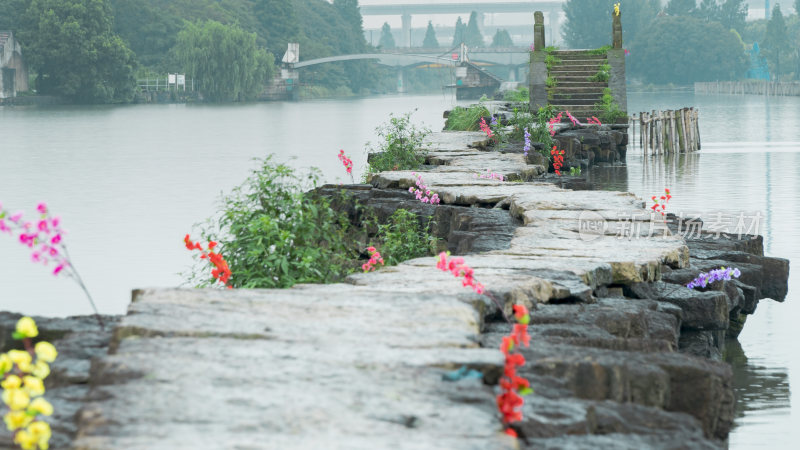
(41, 432)
(21, 358)
(45, 351)
(16, 399)
(25, 440)
(11, 382)
(27, 327)
(5, 364)
(16, 420)
(33, 386)
(41, 370)
(41, 406)
(616, 9)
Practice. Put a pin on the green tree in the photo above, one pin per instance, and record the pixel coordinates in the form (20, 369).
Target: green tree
(387, 40)
(70, 46)
(502, 39)
(11, 14)
(472, 35)
(683, 50)
(458, 35)
(681, 7)
(279, 24)
(776, 41)
(708, 11)
(588, 22)
(430, 40)
(224, 60)
(351, 13)
(733, 14)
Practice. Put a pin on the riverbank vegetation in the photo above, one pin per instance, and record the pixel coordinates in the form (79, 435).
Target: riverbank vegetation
(400, 146)
(210, 49)
(277, 229)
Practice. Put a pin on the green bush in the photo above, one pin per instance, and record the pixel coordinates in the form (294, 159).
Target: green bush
(611, 110)
(520, 94)
(400, 146)
(466, 119)
(403, 238)
(274, 234)
(599, 51)
(602, 75)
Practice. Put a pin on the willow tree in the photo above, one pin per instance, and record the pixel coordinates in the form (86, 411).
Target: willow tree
(224, 61)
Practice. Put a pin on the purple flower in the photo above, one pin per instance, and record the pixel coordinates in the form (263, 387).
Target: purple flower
(527, 141)
(704, 279)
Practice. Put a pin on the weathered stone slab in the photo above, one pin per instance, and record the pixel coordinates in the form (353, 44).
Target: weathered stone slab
(297, 368)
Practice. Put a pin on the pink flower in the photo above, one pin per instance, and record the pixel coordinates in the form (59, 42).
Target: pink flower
(42, 208)
(16, 217)
(58, 269)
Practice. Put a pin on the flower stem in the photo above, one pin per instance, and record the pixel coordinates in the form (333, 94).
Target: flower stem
(499, 306)
(79, 280)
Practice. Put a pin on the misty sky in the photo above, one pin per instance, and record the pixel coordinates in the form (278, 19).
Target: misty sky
(374, 22)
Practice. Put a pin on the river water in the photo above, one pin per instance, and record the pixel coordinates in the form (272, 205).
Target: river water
(130, 181)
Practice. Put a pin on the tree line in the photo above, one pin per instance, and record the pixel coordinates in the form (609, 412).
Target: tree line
(90, 51)
(469, 34)
(684, 41)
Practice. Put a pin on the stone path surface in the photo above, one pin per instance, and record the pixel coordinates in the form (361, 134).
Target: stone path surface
(360, 364)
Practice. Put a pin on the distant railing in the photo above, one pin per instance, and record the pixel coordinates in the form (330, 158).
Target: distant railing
(171, 82)
(757, 87)
(660, 132)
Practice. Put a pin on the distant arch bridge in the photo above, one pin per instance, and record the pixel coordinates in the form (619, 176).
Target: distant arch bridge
(513, 59)
(415, 57)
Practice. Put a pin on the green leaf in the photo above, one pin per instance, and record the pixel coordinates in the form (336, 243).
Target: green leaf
(525, 319)
(17, 335)
(525, 391)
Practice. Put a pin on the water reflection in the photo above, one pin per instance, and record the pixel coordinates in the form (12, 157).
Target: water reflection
(747, 164)
(758, 388)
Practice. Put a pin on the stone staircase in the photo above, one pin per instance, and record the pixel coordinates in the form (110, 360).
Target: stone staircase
(573, 90)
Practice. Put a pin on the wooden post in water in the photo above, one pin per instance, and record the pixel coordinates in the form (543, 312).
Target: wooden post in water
(697, 127)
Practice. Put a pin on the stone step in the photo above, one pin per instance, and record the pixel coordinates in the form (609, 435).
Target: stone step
(570, 78)
(596, 86)
(569, 89)
(569, 72)
(582, 97)
(577, 65)
(577, 55)
(577, 101)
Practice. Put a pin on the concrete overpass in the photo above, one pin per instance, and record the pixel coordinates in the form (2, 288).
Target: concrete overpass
(551, 8)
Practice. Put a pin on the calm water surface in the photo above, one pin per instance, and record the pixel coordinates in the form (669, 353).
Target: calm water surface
(130, 181)
(750, 161)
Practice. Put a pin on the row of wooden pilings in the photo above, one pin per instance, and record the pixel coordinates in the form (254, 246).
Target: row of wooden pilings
(672, 131)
